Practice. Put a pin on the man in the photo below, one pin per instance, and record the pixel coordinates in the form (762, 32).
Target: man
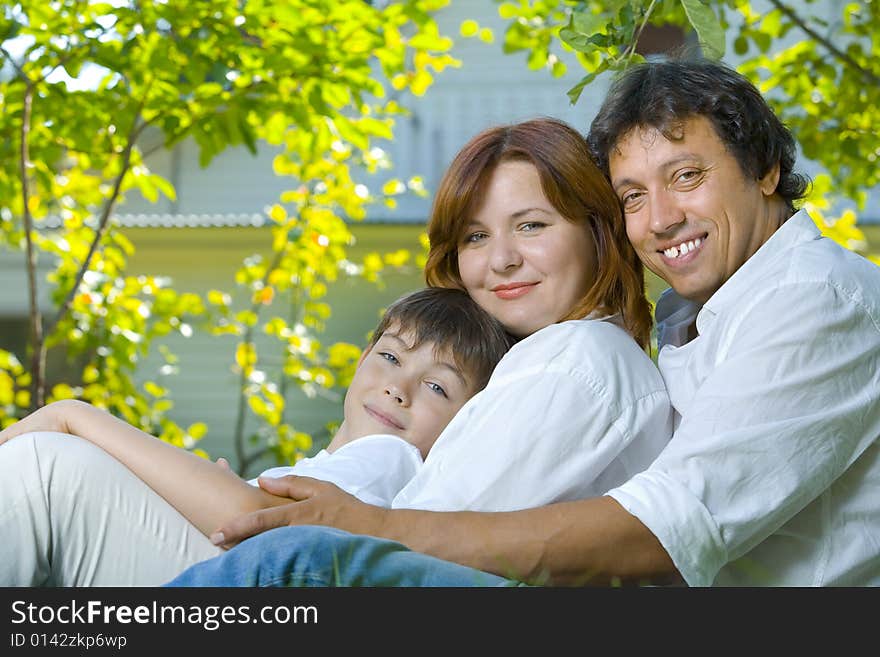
(771, 354)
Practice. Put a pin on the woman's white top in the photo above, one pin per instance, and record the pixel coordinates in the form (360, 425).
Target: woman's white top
(372, 468)
(571, 411)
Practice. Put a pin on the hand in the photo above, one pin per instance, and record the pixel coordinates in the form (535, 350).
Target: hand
(53, 417)
(315, 503)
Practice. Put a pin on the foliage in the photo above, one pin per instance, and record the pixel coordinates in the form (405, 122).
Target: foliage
(821, 75)
(310, 76)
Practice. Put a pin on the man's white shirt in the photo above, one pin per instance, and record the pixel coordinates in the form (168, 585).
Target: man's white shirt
(773, 472)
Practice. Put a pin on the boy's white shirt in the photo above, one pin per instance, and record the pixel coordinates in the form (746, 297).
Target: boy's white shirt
(372, 468)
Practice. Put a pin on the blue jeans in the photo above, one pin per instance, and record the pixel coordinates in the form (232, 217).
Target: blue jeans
(323, 556)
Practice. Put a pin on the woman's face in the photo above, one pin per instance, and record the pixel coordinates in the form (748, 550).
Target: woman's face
(521, 260)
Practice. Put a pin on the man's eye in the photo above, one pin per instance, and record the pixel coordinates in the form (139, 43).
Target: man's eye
(688, 175)
(436, 388)
(391, 358)
(630, 198)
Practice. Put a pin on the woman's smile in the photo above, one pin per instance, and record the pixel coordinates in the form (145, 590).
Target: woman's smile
(510, 291)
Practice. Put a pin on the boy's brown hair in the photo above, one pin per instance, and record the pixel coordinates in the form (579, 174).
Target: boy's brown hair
(451, 320)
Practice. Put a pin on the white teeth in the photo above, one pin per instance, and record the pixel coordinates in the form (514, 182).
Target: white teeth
(683, 248)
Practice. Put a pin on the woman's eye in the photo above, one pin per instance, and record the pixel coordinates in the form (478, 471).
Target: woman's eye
(532, 226)
(474, 237)
(391, 358)
(437, 388)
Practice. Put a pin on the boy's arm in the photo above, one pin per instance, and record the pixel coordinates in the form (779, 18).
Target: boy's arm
(207, 494)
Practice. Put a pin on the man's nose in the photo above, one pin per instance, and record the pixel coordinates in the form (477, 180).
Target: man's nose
(665, 213)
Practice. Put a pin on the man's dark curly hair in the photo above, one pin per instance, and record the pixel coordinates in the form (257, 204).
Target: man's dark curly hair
(664, 94)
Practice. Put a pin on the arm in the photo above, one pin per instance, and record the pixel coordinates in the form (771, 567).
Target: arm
(570, 543)
(544, 430)
(207, 494)
(779, 404)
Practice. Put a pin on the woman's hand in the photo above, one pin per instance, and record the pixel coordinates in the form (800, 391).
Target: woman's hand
(315, 503)
(53, 417)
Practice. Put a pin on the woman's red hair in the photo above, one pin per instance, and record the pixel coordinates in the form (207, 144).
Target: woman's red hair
(573, 185)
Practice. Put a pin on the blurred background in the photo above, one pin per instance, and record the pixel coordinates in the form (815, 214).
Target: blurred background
(260, 227)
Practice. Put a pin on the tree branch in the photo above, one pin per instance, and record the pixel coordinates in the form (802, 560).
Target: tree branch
(638, 35)
(36, 319)
(869, 76)
(14, 63)
(248, 338)
(134, 133)
(248, 460)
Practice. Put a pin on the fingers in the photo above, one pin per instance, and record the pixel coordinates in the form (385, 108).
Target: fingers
(223, 463)
(292, 486)
(297, 489)
(251, 524)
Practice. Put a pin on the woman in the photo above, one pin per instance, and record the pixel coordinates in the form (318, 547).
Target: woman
(528, 226)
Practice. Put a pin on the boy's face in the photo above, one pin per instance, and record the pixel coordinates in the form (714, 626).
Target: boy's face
(406, 392)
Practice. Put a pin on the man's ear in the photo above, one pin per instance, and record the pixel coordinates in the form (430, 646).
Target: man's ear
(770, 180)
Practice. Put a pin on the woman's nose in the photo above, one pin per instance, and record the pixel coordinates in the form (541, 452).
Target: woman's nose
(504, 254)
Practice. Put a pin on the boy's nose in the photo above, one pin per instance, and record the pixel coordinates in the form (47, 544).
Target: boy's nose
(397, 393)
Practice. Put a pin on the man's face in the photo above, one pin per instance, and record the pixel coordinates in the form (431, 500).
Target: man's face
(692, 215)
(408, 392)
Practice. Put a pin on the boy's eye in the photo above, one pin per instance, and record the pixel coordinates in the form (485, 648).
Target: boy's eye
(391, 358)
(437, 388)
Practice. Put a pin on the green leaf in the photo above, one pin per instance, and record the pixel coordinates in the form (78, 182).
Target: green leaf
(588, 23)
(707, 27)
(575, 92)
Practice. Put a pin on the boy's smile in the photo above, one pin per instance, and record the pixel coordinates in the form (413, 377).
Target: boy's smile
(403, 390)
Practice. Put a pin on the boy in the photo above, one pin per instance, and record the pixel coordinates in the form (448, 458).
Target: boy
(432, 351)
(388, 428)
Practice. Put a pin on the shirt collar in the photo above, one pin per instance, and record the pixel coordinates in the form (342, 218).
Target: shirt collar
(752, 274)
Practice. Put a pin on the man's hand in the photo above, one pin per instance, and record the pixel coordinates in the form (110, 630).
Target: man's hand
(315, 503)
(53, 417)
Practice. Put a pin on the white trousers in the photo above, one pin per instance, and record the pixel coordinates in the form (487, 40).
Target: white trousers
(72, 515)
